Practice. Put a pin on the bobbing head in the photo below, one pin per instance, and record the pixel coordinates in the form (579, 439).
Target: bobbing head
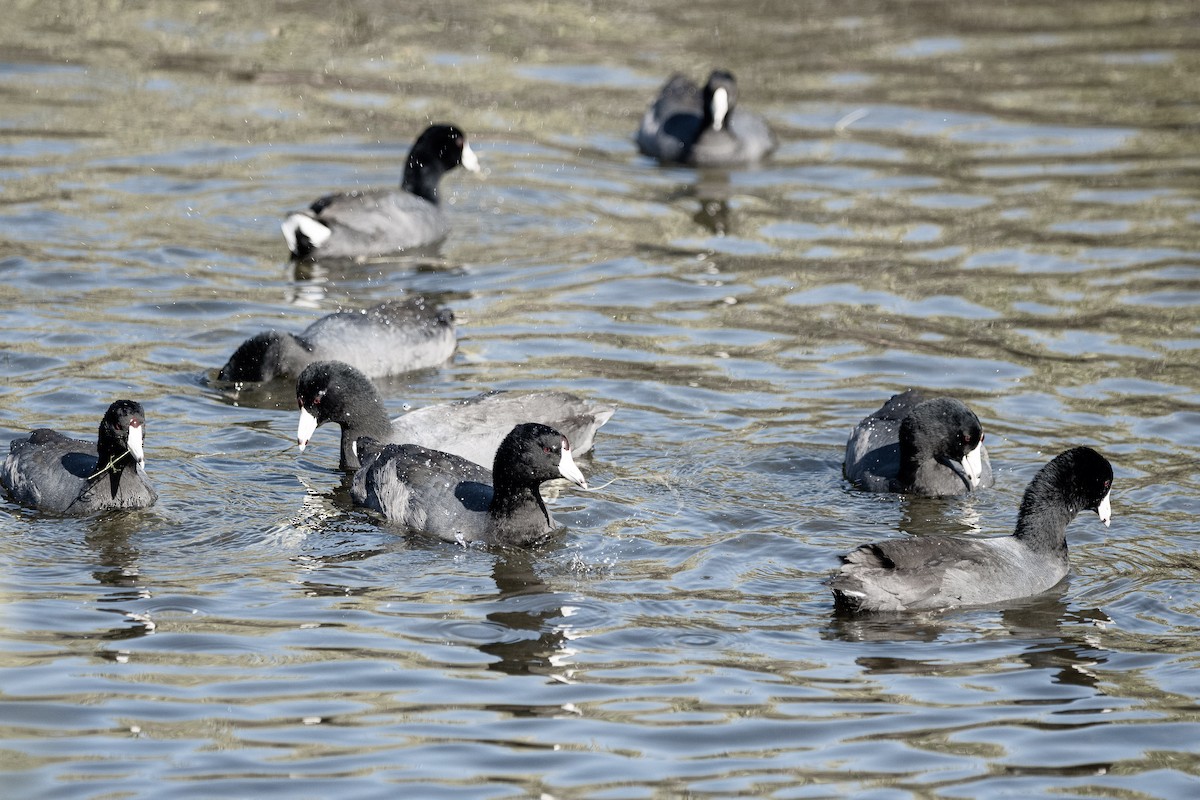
(720, 96)
(322, 392)
(122, 430)
(1086, 479)
(533, 453)
(250, 361)
(946, 430)
(445, 144)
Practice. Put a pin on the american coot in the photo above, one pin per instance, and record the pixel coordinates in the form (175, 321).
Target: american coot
(361, 224)
(440, 494)
(392, 337)
(52, 472)
(330, 391)
(918, 446)
(703, 127)
(932, 572)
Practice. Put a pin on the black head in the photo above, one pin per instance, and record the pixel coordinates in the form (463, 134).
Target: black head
(445, 144)
(256, 359)
(122, 430)
(533, 453)
(332, 391)
(943, 427)
(1085, 477)
(438, 149)
(328, 389)
(945, 431)
(720, 97)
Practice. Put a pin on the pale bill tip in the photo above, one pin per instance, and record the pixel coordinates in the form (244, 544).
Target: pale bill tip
(569, 470)
(305, 428)
(135, 445)
(973, 465)
(720, 109)
(469, 160)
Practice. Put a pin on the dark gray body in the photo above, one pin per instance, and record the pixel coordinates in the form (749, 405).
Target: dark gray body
(933, 572)
(924, 573)
(377, 223)
(441, 495)
(386, 339)
(49, 471)
(474, 428)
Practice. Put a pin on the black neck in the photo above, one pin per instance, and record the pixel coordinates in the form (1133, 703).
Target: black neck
(421, 178)
(295, 353)
(910, 463)
(371, 420)
(1044, 517)
(113, 458)
(519, 511)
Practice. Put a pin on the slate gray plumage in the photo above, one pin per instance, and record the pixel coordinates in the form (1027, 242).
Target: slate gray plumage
(386, 339)
(330, 391)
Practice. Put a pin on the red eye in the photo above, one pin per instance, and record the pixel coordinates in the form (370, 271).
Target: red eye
(547, 450)
(135, 423)
(1107, 484)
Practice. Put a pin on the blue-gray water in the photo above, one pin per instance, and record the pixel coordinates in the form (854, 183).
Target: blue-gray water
(994, 200)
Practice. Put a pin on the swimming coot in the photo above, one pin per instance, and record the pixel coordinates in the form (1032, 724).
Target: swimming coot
(443, 495)
(52, 472)
(912, 445)
(703, 127)
(933, 572)
(330, 391)
(386, 339)
(374, 223)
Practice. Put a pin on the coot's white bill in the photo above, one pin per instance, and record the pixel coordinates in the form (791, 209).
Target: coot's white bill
(567, 467)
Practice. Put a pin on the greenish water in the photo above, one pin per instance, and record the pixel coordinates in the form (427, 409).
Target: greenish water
(993, 200)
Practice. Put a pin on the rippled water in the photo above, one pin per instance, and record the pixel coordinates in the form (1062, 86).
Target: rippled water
(999, 202)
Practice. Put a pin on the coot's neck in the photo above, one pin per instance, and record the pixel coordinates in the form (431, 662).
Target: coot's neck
(517, 514)
(912, 458)
(113, 457)
(368, 419)
(1044, 517)
(421, 177)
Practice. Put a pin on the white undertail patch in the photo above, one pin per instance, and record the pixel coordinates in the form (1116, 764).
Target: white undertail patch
(317, 233)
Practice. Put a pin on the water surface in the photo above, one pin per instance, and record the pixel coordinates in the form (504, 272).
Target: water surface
(995, 202)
